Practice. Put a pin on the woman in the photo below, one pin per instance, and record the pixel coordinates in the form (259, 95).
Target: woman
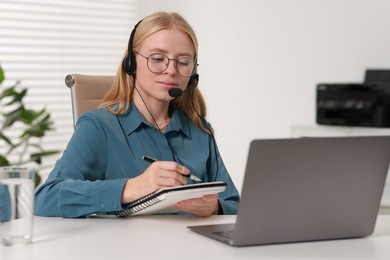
(102, 168)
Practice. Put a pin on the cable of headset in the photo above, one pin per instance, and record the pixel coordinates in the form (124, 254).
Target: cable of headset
(210, 131)
(147, 108)
(129, 65)
(175, 156)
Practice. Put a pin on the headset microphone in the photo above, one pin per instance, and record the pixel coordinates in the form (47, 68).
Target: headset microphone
(176, 92)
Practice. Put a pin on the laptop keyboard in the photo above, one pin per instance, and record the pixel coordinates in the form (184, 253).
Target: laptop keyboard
(225, 234)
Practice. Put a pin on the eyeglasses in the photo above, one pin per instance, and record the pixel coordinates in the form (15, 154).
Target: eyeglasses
(158, 63)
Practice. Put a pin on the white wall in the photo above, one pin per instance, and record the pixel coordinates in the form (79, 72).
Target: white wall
(260, 60)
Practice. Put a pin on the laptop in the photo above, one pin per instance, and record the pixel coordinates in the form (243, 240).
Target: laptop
(308, 189)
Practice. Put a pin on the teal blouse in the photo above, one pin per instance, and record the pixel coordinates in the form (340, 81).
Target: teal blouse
(106, 150)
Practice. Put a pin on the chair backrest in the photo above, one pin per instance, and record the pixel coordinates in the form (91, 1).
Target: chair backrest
(87, 92)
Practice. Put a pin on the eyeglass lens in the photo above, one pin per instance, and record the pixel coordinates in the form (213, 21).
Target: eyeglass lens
(159, 62)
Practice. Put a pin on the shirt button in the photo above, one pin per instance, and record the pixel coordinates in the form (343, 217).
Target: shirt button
(102, 206)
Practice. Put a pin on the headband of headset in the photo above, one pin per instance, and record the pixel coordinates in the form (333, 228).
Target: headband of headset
(130, 64)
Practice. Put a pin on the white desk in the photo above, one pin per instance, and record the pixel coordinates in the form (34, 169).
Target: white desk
(166, 237)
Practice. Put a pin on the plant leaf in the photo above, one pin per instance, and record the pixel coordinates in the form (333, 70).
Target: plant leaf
(3, 161)
(12, 117)
(8, 92)
(35, 124)
(2, 77)
(14, 146)
(20, 95)
(27, 116)
(16, 97)
(37, 157)
(38, 180)
(6, 139)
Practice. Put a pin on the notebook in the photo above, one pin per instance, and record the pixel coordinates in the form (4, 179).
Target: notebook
(308, 189)
(164, 200)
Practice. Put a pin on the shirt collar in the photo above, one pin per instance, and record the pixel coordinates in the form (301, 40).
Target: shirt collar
(133, 119)
(180, 122)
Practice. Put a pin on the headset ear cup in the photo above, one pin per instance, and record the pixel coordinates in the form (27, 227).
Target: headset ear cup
(194, 80)
(129, 64)
(132, 63)
(126, 65)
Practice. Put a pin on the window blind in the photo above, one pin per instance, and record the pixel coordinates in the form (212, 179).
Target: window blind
(42, 41)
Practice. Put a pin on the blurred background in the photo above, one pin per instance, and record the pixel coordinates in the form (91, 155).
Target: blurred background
(260, 60)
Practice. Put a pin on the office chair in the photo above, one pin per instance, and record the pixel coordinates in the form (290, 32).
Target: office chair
(87, 92)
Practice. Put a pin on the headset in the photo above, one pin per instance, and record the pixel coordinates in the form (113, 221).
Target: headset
(130, 64)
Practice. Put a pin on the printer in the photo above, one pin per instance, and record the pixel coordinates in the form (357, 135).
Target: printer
(355, 104)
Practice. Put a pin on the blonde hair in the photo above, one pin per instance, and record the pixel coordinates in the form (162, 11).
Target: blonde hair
(123, 87)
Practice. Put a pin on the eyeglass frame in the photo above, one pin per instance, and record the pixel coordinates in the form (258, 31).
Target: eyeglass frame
(169, 60)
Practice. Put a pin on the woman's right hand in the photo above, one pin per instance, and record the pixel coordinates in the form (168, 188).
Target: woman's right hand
(158, 175)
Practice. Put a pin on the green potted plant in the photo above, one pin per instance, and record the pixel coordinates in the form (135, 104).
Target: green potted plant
(31, 126)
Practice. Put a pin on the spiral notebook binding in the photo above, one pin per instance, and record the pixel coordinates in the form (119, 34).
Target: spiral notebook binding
(158, 196)
(138, 205)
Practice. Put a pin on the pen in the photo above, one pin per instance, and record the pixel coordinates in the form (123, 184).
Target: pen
(152, 160)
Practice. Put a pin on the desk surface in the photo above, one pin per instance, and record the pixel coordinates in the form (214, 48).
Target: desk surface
(166, 237)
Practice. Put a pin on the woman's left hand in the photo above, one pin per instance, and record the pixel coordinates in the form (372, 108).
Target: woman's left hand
(201, 207)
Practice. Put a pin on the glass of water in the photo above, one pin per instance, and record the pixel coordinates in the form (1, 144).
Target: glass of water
(16, 205)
